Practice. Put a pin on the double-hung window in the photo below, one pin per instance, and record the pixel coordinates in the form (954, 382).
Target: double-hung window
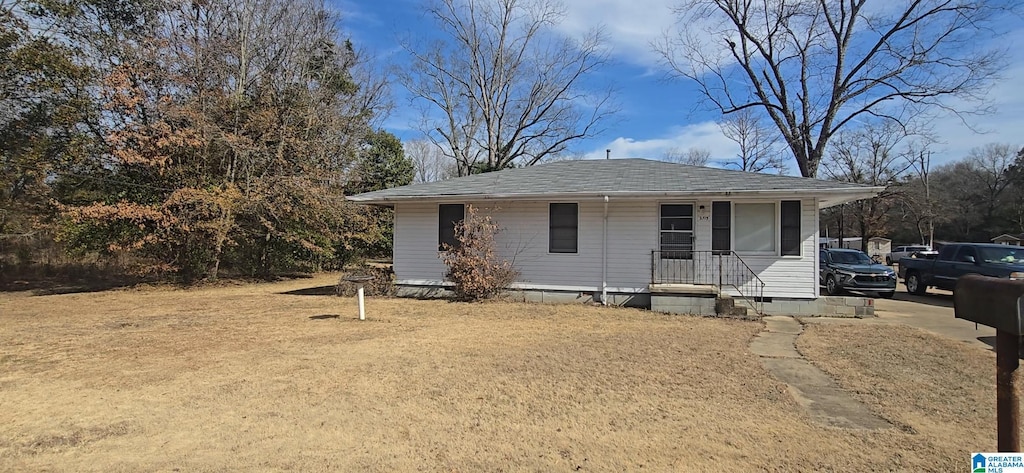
(790, 219)
(757, 228)
(448, 217)
(721, 227)
(563, 228)
(676, 231)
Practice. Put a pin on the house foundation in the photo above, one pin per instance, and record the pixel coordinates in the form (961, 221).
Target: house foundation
(687, 299)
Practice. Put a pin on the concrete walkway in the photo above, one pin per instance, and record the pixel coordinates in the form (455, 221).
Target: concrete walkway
(811, 387)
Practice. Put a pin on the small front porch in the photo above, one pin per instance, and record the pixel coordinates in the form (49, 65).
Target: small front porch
(720, 283)
(712, 283)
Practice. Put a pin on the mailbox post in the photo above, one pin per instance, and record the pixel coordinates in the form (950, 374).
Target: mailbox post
(998, 303)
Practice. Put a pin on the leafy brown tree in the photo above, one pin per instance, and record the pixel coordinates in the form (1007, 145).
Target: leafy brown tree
(44, 98)
(474, 266)
(240, 123)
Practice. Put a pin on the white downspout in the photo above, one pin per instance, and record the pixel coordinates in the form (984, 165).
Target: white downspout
(604, 256)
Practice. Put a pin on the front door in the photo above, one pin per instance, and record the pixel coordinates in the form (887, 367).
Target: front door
(674, 258)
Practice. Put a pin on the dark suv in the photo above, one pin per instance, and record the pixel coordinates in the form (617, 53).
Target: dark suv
(841, 269)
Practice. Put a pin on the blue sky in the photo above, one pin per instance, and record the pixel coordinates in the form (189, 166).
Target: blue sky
(657, 114)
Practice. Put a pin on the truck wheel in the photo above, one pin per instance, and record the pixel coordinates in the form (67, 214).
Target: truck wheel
(888, 261)
(831, 286)
(914, 285)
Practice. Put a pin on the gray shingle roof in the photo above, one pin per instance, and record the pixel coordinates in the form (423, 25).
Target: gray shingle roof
(616, 177)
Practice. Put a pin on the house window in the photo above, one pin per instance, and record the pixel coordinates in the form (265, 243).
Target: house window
(448, 216)
(563, 228)
(755, 228)
(676, 231)
(721, 227)
(790, 220)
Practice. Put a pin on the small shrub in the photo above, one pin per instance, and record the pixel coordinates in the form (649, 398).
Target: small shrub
(473, 265)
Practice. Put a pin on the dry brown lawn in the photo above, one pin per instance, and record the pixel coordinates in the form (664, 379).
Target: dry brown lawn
(245, 378)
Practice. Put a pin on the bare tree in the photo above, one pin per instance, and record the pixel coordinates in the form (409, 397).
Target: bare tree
(507, 87)
(816, 66)
(986, 175)
(871, 155)
(927, 213)
(430, 162)
(690, 156)
(758, 144)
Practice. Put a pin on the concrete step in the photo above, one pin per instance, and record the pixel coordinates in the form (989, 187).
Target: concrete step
(725, 306)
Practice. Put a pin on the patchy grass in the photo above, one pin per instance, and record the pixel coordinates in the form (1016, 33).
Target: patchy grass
(922, 383)
(263, 377)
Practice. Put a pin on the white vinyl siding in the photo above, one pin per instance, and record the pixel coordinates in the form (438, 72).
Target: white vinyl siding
(633, 232)
(784, 276)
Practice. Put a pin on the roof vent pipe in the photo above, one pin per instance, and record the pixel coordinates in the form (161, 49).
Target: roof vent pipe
(607, 154)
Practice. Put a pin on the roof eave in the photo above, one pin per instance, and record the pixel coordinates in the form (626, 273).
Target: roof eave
(827, 197)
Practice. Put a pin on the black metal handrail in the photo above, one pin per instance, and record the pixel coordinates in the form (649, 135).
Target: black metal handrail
(716, 268)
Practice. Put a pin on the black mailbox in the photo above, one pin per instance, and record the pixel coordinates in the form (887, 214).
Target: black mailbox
(995, 302)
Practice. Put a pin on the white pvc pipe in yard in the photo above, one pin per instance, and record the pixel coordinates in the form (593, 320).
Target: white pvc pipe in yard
(359, 295)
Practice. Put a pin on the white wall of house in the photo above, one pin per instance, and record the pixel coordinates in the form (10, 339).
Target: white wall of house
(633, 232)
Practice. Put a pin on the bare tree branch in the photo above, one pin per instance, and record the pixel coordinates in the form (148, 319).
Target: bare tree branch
(690, 156)
(815, 67)
(503, 87)
(759, 150)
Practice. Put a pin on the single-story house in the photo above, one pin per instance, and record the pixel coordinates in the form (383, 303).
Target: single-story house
(617, 231)
(1007, 239)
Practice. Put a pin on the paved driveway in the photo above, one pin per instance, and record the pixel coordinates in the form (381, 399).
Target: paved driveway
(932, 312)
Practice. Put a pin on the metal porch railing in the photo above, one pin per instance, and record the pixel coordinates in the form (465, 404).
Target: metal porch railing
(722, 269)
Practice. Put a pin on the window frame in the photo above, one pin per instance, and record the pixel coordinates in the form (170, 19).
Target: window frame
(441, 228)
(551, 249)
(799, 228)
(692, 231)
(776, 233)
(728, 228)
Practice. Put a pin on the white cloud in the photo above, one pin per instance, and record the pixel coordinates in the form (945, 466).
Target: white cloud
(705, 135)
(630, 25)
(1005, 125)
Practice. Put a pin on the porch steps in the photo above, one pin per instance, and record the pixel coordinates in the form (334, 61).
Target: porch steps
(699, 299)
(725, 306)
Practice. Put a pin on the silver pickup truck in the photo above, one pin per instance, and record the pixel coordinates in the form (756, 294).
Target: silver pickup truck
(909, 251)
